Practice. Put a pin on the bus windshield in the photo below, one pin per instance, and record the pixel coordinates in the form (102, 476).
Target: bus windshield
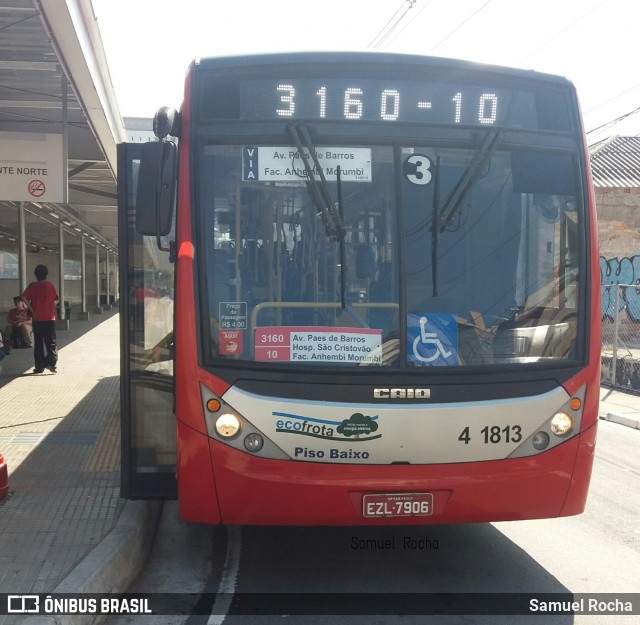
(397, 256)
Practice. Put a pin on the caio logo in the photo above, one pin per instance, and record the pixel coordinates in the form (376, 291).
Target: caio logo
(401, 393)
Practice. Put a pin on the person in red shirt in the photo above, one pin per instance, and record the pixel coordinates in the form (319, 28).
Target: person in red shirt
(18, 322)
(41, 298)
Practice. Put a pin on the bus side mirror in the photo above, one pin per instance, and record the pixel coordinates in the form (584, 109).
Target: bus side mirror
(156, 189)
(166, 121)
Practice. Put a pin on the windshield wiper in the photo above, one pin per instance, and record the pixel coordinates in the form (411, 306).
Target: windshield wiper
(443, 216)
(343, 269)
(435, 230)
(317, 183)
(480, 159)
(331, 213)
(343, 258)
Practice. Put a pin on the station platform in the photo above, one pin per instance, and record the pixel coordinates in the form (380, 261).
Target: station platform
(63, 526)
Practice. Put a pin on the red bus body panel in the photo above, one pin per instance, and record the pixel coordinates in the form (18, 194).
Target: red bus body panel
(196, 487)
(256, 491)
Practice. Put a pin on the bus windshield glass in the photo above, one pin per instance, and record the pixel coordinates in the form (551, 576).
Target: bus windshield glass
(403, 256)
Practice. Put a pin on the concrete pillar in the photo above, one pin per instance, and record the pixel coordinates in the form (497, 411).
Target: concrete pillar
(22, 248)
(108, 290)
(63, 322)
(83, 314)
(98, 304)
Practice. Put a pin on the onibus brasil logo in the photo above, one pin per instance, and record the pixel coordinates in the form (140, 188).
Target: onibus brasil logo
(358, 426)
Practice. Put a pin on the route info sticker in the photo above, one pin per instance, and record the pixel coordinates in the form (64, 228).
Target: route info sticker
(312, 344)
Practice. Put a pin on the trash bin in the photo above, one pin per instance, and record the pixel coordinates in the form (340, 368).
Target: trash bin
(67, 310)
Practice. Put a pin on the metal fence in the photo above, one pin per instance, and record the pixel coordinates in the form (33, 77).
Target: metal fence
(621, 335)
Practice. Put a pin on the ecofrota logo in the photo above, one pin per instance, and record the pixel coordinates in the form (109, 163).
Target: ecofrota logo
(358, 426)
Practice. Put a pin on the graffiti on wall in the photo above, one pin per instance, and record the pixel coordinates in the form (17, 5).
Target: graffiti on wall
(624, 271)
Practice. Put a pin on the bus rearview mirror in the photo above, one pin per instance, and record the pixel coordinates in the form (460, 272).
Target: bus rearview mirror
(156, 189)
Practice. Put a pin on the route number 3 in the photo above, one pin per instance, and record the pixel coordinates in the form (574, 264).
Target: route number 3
(416, 169)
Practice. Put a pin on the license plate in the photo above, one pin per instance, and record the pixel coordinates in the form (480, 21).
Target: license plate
(397, 504)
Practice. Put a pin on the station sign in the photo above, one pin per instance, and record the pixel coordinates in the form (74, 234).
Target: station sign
(32, 167)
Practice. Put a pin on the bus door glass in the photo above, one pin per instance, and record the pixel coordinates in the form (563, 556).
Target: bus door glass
(147, 282)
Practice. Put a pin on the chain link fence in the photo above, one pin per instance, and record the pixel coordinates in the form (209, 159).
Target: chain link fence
(621, 335)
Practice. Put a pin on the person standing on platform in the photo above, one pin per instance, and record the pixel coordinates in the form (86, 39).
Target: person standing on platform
(41, 297)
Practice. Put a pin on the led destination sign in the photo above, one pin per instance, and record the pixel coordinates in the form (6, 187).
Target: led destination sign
(392, 101)
(385, 94)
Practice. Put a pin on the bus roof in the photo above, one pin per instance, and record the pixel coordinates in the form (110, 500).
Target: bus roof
(366, 58)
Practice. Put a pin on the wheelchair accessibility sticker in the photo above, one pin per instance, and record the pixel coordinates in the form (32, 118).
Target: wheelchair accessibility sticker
(432, 339)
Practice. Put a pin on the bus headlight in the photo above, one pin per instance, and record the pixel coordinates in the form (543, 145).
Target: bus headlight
(253, 443)
(561, 424)
(227, 425)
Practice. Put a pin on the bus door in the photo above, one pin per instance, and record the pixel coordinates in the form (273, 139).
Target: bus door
(146, 351)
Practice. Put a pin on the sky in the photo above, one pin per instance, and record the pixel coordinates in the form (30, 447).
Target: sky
(594, 43)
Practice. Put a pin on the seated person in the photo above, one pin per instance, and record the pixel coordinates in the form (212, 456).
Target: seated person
(18, 329)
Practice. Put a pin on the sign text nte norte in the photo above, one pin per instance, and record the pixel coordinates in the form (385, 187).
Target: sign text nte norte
(31, 167)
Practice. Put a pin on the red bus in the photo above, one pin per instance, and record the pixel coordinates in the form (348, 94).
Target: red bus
(386, 294)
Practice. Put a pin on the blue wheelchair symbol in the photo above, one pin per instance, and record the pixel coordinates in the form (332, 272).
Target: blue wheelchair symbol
(433, 339)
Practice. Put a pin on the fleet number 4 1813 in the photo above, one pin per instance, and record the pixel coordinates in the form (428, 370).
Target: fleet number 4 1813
(494, 434)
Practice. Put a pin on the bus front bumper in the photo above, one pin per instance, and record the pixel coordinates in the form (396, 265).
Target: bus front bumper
(255, 491)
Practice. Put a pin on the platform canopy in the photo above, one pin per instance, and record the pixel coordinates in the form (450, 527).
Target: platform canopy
(59, 126)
